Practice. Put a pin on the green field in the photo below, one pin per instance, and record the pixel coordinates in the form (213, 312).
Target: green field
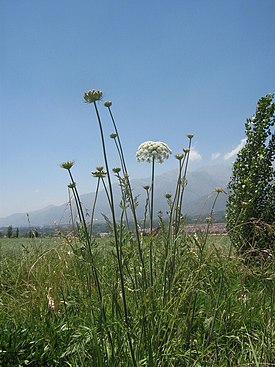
(216, 311)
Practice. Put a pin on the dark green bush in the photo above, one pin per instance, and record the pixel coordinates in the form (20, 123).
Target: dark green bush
(251, 200)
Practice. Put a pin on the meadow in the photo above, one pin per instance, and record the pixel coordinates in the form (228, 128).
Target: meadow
(141, 297)
(219, 311)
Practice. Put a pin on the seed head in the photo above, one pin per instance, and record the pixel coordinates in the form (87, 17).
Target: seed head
(116, 169)
(67, 165)
(92, 95)
(99, 168)
(99, 174)
(186, 150)
(153, 150)
(219, 190)
(108, 104)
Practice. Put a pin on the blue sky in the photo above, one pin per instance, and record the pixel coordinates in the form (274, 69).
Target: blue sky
(170, 67)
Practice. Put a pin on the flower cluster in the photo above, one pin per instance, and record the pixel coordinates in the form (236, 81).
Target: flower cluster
(92, 95)
(99, 173)
(67, 165)
(153, 150)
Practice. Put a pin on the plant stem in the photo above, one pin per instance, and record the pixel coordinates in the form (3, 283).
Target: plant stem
(93, 209)
(131, 198)
(119, 259)
(152, 219)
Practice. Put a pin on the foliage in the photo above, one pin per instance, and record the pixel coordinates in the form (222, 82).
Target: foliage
(9, 231)
(251, 201)
(220, 312)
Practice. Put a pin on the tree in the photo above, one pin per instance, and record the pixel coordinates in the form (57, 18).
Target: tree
(251, 200)
(9, 231)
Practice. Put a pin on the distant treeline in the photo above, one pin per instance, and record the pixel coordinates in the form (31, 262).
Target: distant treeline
(103, 227)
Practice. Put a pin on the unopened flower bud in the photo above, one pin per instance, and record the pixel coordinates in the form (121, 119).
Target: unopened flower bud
(108, 104)
(168, 195)
(113, 135)
(146, 187)
(190, 136)
(186, 150)
(179, 156)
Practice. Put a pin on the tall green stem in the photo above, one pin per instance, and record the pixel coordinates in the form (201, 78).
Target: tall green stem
(120, 150)
(71, 210)
(131, 198)
(80, 210)
(152, 219)
(93, 209)
(184, 177)
(119, 259)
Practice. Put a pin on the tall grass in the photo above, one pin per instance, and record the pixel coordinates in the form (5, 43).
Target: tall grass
(172, 299)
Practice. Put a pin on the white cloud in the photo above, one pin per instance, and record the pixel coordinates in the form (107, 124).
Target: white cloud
(194, 155)
(236, 150)
(215, 155)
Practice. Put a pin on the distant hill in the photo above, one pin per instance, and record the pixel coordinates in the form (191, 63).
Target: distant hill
(198, 198)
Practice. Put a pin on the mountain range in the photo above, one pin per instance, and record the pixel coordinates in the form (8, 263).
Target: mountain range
(198, 198)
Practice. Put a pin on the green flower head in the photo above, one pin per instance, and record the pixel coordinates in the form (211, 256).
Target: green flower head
(116, 169)
(99, 174)
(67, 165)
(150, 150)
(72, 185)
(92, 95)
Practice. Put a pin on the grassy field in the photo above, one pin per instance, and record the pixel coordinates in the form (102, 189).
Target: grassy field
(57, 309)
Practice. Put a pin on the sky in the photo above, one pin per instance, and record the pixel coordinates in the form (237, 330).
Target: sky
(170, 68)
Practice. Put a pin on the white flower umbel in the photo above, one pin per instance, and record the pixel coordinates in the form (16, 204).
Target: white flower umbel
(153, 150)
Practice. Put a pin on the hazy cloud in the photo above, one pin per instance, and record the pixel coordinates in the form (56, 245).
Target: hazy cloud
(236, 150)
(194, 155)
(215, 155)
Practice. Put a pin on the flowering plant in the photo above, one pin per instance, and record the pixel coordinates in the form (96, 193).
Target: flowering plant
(151, 150)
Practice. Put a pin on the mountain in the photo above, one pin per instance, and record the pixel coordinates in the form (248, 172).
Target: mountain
(198, 198)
